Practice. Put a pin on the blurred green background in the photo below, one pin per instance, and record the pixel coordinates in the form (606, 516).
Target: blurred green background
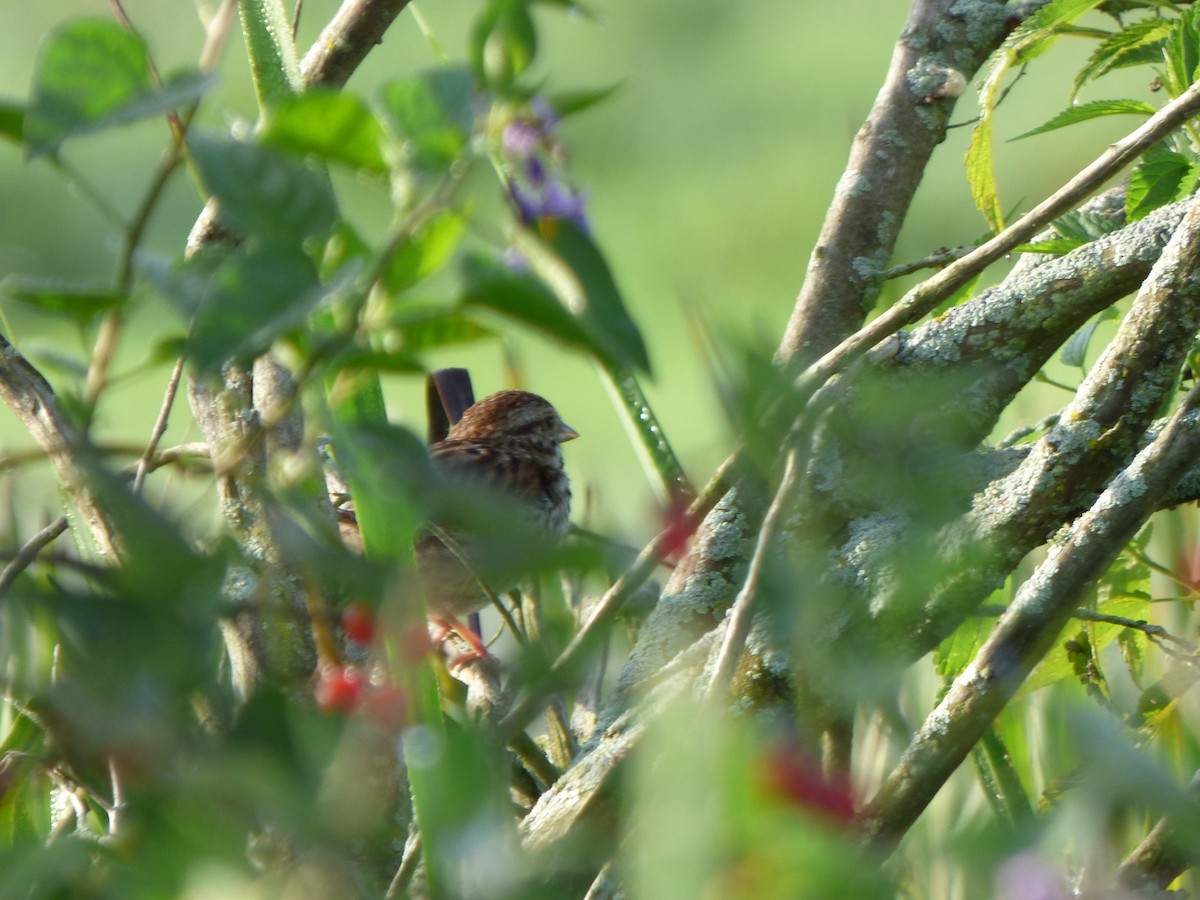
(707, 172)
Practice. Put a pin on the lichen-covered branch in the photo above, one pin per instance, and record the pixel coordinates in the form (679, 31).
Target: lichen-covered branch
(1048, 598)
(1028, 628)
(33, 401)
(1097, 433)
(230, 414)
(938, 51)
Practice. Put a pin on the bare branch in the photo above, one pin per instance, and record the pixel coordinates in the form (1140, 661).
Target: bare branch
(937, 52)
(29, 552)
(34, 402)
(357, 27)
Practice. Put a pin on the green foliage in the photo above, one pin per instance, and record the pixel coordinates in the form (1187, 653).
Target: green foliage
(92, 74)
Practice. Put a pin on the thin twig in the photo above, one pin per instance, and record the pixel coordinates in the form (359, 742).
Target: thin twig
(932, 261)
(160, 426)
(29, 551)
(456, 551)
(118, 799)
(408, 865)
(741, 614)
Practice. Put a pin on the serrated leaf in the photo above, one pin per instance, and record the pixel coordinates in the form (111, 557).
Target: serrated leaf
(90, 74)
(1183, 52)
(82, 301)
(1114, 50)
(1075, 349)
(262, 192)
(1084, 225)
(430, 116)
(1189, 181)
(1057, 664)
(1030, 39)
(955, 652)
(336, 126)
(981, 175)
(1093, 110)
(1155, 181)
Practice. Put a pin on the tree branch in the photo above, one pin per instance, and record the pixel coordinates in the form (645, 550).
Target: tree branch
(1049, 597)
(937, 52)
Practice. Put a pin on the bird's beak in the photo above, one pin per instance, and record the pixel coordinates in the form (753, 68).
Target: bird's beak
(565, 433)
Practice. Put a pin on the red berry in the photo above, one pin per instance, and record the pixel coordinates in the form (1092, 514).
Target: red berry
(677, 529)
(358, 622)
(339, 690)
(793, 776)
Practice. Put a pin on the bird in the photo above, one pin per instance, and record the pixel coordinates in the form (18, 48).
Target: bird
(506, 452)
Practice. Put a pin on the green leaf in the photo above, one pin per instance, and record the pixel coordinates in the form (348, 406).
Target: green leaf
(1183, 52)
(587, 288)
(426, 251)
(1155, 181)
(333, 125)
(262, 192)
(1074, 351)
(523, 298)
(1115, 50)
(1057, 664)
(1031, 39)
(90, 74)
(430, 116)
(567, 103)
(81, 301)
(384, 466)
(1084, 226)
(442, 329)
(981, 174)
(956, 651)
(12, 120)
(1092, 110)
(243, 303)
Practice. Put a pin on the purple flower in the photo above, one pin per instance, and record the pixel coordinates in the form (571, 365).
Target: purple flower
(551, 200)
(521, 139)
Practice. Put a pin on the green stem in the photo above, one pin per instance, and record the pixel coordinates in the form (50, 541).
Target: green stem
(274, 63)
(669, 477)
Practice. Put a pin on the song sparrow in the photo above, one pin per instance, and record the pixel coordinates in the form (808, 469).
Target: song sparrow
(507, 444)
(505, 447)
